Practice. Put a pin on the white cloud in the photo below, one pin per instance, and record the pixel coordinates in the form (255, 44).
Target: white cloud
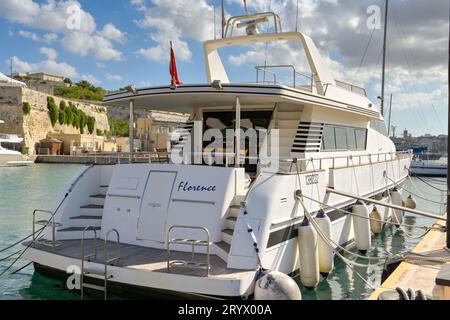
(113, 77)
(49, 66)
(55, 16)
(51, 16)
(91, 79)
(48, 38)
(175, 20)
(50, 53)
(110, 32)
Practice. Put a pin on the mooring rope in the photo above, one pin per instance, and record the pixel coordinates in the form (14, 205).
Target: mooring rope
(18, 242)
(429, 184)
(374, 219)
(416, 195)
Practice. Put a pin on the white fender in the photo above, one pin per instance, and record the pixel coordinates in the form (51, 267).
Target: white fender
(309, 255)
(396, 198)
(376, 226)
(361, 226)
(410, 202)
(326, 253)
(274, 285)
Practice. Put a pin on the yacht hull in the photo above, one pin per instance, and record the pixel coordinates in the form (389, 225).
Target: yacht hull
(11, 160)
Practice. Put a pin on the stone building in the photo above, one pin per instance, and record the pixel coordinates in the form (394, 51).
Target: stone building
(42, 82)
(155, 129)
(36, 125)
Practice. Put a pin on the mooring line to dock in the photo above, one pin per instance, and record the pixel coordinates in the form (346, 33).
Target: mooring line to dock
(11, 255)
(389, 205)
(18, 242)
(427, 183)
(21, 254)
(414, 194)
(374, 219)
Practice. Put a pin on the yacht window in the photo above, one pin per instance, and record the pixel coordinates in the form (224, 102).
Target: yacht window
(328, 140)
(351, 138)
(361, 139)
(379, 126)
(341, 138)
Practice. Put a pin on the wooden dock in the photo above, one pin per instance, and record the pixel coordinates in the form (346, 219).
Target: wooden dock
(421, 275)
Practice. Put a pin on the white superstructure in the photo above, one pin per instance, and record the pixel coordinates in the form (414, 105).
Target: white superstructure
(330, 137)
(10, 157)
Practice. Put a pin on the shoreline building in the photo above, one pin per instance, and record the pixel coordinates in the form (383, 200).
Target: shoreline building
(25, 113)
(154, 130)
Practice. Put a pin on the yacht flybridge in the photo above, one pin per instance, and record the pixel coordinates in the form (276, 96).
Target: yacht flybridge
(225, 208)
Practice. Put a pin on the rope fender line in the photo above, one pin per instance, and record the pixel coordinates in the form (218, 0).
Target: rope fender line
(392, 206)
(327, 240)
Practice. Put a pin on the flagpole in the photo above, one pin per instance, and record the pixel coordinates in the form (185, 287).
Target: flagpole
(215, 27)
(223, 20)
(245, 6)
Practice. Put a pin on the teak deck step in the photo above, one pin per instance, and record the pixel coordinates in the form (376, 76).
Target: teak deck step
(224, 246)
(100, 196)
(228, 231)
(87, 217)
(92, 206)
(76, 229)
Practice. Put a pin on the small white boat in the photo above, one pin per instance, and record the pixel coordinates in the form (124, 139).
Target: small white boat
(11, 158)
(429, 168)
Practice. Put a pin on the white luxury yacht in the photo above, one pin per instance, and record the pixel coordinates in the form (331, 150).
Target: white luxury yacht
(209, 221)
(9, 158)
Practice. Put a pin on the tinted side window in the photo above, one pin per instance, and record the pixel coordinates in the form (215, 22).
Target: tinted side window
(351, 138)
(341, 138)
(361, 139)
(328, 140)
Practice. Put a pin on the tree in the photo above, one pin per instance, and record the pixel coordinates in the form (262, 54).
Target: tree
(62, 116)
(91, 124)
(26, 108)
(119, 128)
(53, 110)
(68, 81)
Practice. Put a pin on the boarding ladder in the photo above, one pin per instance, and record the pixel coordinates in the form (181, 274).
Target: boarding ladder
(45, 223)
(193, 243)
(107, 261)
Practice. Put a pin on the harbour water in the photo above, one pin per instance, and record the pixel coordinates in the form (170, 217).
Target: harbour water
(24, 189)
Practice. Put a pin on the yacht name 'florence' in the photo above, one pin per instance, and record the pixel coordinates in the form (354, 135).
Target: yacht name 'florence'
(186, 187)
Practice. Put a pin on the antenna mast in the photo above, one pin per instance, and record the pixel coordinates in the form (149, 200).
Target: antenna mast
(383, 81)
(390, 117)
(11, 68)
(448, 168)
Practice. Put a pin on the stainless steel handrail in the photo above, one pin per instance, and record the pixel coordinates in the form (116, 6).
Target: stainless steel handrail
(259, 68)
(83, 257)
(107, 261)
(45, 223)
(294, 73)
(194, 243)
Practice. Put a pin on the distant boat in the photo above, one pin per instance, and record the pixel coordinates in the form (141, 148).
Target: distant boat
(11, 158)
(429, 166)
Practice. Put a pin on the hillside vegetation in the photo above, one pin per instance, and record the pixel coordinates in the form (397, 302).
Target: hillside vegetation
(82, 90)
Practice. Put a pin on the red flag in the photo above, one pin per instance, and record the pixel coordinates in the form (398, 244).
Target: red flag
(224, 21)
(173, 68)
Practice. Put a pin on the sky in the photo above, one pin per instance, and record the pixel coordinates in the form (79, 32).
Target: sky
(115, 43)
